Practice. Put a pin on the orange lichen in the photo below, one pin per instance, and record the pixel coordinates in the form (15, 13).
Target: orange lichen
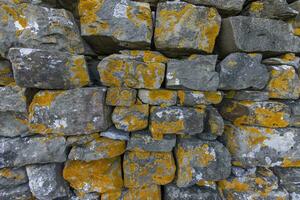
(79, 76)
(213, 97)
(6, 75)
(151, 74)
(149, 56)
(287, 162)
(270, 118)
(165, 127)
(10, 174)
(234, 185)
(88, 10)
(288, 57)
(111, 148)
(231, 143)
(209, 34)
(150, 193)
(120, 96)
(139, 16)
(159, 96)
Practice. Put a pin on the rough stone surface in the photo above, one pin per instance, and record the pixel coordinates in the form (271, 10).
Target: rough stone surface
(117, 96)
(21, 192)
(247, 95)
(44, 69)
(13, 124)
(70, 112)
(6, 74)
(46, 181)
(158, 97)
(16, 152)
(146, 55)
(286, 59)
(13, 98)
(115, 134)
(198, 98)
(12, 177)
(201, 160)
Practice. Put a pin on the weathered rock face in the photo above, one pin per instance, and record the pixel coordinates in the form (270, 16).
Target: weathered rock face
(115, 134)
(21, 192)
(247, 95)
(12, 177)
(250, 34)
(13, 99)
(6, 74)
(201, 160)
(117, 96)
(198, 98)
(183, 28)
(113, 25)
(71, 112)
(38, 27)
(158, 97)
(214, 124)
(35, 68)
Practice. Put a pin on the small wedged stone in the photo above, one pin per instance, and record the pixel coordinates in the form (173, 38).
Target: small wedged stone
(176, 120)
(13, 124)
(143, 141)
(13, 98)
(183, 28)
(270, 114)
(48, 69)
(21, 192)
(98, 148)
(117, 96)
(142, 169)
(272, 9)
(252, 146)
(241, 71)
(115, 134)
(250, 34)
(95, 176)
(172, 192)
(146, 55)
(247, 95)
(12, 177)
(295, 112)
(17, 152)
(46, 181)
(158, 97)
(70, 112)
(6, 73)
(133, 118)
(198, 98)
(113, 25)
(201, 160)
(284, 82)
(286, 59)
(32, 26)
(80, 140)
(119, 70)
(193, 74)
(258, 183)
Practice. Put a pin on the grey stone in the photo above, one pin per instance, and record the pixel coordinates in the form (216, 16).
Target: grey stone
(248, 95)
(286, 59)
(13, 124)
(241, 71)
(115, 134)
(45, 3)
(13, 98)
(119, 96)
(86, 196)
(16, 152)
(71, 112)
(79, 140)
(46, 181)
(294, 105)
(21, 192)
(193, 74)
(199, 98)
(33, 26)
(250, 34)
(289, 179)
(257, 146)
(6, 73)
(12, 177)
(201, 160)
(143, 141)
(111, 25)
(48, 69)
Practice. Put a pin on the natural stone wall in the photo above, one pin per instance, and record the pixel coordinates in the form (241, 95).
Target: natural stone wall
(149, 100)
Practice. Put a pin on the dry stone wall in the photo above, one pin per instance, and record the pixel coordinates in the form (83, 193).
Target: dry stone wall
(149, 100)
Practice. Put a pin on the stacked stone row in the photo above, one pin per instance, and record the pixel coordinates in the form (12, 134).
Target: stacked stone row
(134, 108)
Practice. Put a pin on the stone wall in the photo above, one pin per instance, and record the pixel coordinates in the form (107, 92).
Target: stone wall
(149, 100)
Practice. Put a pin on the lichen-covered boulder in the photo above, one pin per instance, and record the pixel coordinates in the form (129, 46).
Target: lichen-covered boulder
(146, 55)
(284, 82)
(21, 192)
(117, 96)
(133, 118)
(32, 26)
(158, 97)
(115, 134)
(142, 169)
(99, 176)
(6, 73)
(270, 114)
(201, 160)
(80, 140)
(45, 69)
(241, 71)
(250, 34)
(12, 177)
(197, 74)
(119, 70)
(183, 28)
(252, 146)
(98, 148)
(176, 120)
(199, 98)
(247, 95)
(17, 152)
(46, 181)
(143, 141)
(71, 112)
(111, 25)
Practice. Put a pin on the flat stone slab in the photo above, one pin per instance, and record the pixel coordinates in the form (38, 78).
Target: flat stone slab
(12, 177)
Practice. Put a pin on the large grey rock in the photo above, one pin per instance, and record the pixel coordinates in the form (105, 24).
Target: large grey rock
(172, 192)
(199, 160)
(12, 177)
(241, 71)
(194, 74)
(6, 73)
(32, 26)
(111, 25)
(249, 34)
(256, 146)
(143, 141)
(46, 181)
(80, 140)
(48, 69)
(115, 134)
(21, 192)
(16, 152)
(71, 112)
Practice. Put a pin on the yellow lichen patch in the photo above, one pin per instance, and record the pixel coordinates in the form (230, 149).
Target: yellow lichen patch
(95, 176)
(287, 162)
(145, 193)
(10, 174)
(213, 97)
(231, 143)
(149, 56)
(107, 73)
(111, 195)
(270, 118)
(79, 75)
(151, 74)
(111, 148)
(288, 57)
(6, 75)
(139, 16)
(256, 6)
(17, 14)
(181, 96)
(234, 185)
(206, 183)
(117, 96)
(165, 127)
(209, 34)
(88, 10)
(296, 31)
